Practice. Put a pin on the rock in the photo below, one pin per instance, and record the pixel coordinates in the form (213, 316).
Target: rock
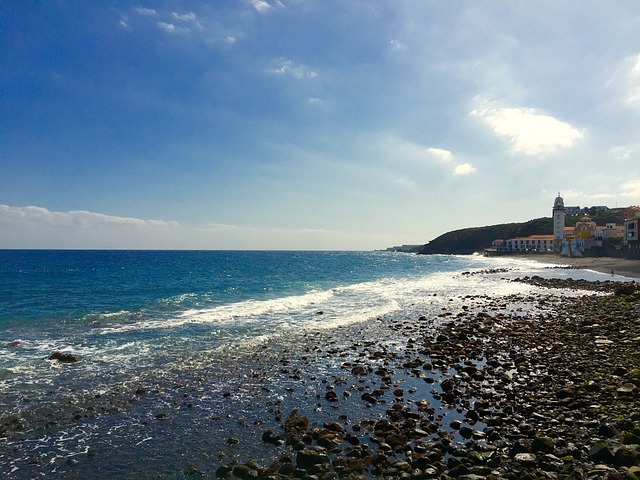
(601, 452)
(299, 423)
(244, 472)
(607, 430)
(472, 415)
(64, 357)
(627, 456)
(625, 289)
(550, 463)
(633, 473)
(526, 459)
(224, 471)
(620, 371)
(287, 469)
(565, 393)
(627, 390)
(270, 437)
(311, 457)
(191, 471)
(447, 385)
(631, 438)
(543, 445)
(331, 396)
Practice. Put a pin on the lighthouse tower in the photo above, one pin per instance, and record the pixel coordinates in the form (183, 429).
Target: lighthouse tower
(558, 223)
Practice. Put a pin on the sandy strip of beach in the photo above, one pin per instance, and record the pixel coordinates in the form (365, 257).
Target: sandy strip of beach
(617, 266)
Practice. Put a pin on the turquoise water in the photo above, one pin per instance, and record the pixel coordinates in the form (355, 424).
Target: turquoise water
(205, 318)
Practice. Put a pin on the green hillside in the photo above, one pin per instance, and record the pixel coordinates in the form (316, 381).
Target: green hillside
(476, 239)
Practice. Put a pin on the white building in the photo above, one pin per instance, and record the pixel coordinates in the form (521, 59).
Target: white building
(533, 243)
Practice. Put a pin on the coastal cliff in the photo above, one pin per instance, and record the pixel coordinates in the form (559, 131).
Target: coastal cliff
(475, 239)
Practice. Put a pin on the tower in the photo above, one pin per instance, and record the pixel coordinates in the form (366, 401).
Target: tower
(558, 223)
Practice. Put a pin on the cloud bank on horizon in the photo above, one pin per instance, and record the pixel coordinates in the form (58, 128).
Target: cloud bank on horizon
(309, 124)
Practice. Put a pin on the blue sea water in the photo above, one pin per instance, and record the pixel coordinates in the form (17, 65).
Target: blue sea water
(138, 317)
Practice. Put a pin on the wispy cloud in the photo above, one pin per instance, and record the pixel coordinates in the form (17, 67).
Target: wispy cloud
(186, 17)
(261, 6)
(172, 28)
(396, 45)
(148, 12)
(530, 131)
(77, 218)
(289, 67)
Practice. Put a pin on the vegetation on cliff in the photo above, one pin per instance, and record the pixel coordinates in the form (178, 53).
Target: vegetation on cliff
(470, 240)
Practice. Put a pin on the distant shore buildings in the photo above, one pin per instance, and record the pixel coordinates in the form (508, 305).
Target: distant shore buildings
(574, 241)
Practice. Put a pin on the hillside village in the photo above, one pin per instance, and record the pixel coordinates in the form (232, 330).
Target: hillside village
(584, 237)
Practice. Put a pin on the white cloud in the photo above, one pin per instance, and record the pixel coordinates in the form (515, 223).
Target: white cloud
(171, 28)
(229, 40)
(167, 27)
(37, 227)
(79, 218)
(631, 189)
(288, 67)
(187, 17)
(440, 154)
(464, 169)
(530, 132)
(261, 6)
(147, 12)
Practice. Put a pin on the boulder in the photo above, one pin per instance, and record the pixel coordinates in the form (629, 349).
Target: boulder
(601, 452)
(627, 390)
(311, 457)
(627, 456)
(64, 357)
(543, 444)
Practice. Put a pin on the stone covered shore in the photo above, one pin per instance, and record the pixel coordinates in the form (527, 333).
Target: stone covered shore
(529, 386)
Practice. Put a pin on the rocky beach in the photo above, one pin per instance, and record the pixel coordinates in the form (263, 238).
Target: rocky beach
(537, 385)
(531, 387)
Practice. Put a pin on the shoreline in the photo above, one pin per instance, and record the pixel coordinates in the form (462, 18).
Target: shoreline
(526, 385)
(542, 386)
(609, 265)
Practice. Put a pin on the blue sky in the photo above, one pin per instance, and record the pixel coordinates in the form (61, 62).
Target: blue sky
(309, 124)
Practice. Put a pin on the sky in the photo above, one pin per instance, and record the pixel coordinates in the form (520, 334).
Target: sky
(309, 124)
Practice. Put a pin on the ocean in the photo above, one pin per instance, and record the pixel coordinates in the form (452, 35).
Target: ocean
(174, 348)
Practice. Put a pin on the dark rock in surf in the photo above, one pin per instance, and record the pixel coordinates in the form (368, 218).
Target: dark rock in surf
(64, 357)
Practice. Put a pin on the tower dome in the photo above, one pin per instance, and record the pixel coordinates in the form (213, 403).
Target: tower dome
(559, 203)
